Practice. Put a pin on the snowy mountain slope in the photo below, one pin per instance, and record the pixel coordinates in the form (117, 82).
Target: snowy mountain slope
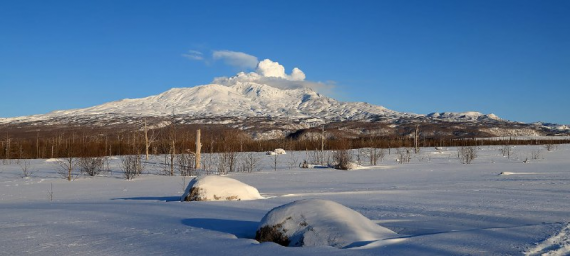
(464, 116)
(241, 99)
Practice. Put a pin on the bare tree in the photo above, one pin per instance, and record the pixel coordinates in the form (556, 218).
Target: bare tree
(131, 166)
(7, 154)
(342, 159)
(148, 139)
(227, 161)
(359, 155)
(467, 154)
(275, 157)
(293, 159)
(66, 167)
(322, 147)
(25, 167)
(535, 154)
(375, 155)
(506, 150)
(404, 155)
(250, 162)
(549, 147)
(91, 166)
(198, 157)
(172, 156)
(416, 139)
(172, 140)
(186, 164)
(207, 163)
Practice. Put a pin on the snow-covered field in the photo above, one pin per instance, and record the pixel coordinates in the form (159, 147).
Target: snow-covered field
(435, 204)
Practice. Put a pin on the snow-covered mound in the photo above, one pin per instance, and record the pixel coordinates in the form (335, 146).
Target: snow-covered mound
(218, 188)
(277, 151)
(316, 222)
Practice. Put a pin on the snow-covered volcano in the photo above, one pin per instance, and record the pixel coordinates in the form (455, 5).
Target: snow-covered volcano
(268, 92)
(241, 99)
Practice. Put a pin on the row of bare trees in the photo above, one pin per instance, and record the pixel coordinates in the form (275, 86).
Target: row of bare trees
(175, 139)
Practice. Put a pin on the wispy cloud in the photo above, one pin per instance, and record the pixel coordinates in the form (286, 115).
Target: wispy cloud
(236, 59)
(194, 55)
(266, 71)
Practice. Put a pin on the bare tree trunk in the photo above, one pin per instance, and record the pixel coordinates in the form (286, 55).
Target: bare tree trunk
(38, 144)
(146, 143)
(322, 146)
(172, 154)
(416, 134)
(198, 149)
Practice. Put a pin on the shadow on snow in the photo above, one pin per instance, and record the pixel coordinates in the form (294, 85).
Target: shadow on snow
(239, 228)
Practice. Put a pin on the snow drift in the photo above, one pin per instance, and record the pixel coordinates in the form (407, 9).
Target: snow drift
(217, 188)
(316, 222)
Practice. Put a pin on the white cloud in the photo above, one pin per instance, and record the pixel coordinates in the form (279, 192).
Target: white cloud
(273, 74)
(297, 75)
(194, 55)
(236, 59)
(266, 71)
(268, 68)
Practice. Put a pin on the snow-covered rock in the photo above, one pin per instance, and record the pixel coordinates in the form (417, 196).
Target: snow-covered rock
(317, 222)
(218, 188)
(277, 151)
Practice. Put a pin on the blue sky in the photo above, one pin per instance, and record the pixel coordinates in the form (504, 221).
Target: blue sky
(510, 58)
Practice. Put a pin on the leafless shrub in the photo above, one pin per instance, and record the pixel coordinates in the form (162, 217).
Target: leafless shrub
(227, 162)
(421, 157)
(131, 166)
(319, 157)
(25, 167)
(535, 154)
(66, 168)
(467, 154)
(404, 155)
(208, 163)
(359, 155)
(342, 159)
(186, 164)
(313, 156)
(165, 170)
(91, 166)
(376, 154)
(506, 150)
(250, 162)
(293, 159)
(550, 147)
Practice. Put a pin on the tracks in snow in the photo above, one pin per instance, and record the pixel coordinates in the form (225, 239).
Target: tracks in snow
(558, 244)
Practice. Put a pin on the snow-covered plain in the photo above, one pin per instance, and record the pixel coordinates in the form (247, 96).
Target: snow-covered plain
(435, 204)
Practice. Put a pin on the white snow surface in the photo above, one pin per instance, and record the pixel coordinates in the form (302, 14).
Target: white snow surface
(220, 188)
(435, 204)
(318, 222)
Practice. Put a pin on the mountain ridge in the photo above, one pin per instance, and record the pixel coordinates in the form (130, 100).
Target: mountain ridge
(242, 103)
(243, 99)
